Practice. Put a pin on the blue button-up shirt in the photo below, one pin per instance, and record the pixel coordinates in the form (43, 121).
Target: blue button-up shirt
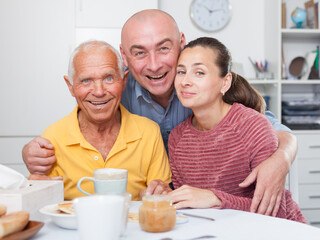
(138, 101)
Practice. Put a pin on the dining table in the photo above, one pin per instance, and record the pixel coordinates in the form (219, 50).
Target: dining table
(228, 224)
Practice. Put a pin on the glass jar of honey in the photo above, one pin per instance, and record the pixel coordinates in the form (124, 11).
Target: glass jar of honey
(157, 214)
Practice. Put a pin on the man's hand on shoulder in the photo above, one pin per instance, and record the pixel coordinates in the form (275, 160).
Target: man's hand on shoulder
(270, 177)
(38, 156)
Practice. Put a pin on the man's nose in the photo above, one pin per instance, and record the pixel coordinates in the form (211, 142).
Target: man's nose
(154, 63)
(99, 88)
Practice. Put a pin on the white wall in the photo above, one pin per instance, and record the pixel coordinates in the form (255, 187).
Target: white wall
(38, 35)
(244, 34)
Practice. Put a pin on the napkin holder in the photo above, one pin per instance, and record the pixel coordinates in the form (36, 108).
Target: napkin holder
(33, 197)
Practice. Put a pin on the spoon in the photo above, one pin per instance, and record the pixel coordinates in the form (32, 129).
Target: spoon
(201, 237)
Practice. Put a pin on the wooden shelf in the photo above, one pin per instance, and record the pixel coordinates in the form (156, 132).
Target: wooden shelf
(300, 33)
(284, 81)
(263, 81)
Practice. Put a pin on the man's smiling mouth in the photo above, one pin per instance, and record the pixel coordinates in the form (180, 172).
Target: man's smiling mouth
(157, 77)
(98, 103)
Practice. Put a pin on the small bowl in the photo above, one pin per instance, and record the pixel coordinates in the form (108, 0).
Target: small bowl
(67, 221)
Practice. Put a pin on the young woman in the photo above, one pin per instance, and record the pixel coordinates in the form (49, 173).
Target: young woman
(226, 137)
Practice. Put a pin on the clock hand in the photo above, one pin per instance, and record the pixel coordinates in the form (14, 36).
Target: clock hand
(216, 10)
(211, 10)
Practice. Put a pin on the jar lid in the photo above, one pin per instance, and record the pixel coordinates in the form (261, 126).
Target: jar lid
(156, 198)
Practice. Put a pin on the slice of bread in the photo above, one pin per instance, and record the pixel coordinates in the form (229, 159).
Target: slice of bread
(3, 210)
(66, 207)
(13, 222)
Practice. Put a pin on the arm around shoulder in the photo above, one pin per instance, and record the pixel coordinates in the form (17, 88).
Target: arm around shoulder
(38, 156)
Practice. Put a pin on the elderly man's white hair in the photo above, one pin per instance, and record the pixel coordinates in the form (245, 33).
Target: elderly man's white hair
(86, 46)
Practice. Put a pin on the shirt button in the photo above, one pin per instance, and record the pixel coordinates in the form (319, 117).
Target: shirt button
(96, 157)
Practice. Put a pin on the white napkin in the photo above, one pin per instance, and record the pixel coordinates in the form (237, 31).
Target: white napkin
(11, 179)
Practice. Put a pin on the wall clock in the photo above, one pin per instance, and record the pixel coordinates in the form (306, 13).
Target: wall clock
(210, 15)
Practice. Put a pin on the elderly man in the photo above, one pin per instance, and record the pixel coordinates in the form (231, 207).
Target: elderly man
(100, 133)
(151, 43)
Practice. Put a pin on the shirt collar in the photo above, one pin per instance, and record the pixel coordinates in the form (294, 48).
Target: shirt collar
(129, 131)
(144, 93)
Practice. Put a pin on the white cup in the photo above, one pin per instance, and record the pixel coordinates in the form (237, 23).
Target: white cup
(125, 215)
(100, 217)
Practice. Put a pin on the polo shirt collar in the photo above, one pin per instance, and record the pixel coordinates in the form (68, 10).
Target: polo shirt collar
(129, 131)
(74, 135)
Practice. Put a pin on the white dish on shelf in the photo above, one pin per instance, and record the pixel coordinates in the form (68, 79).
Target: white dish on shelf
(67, 221)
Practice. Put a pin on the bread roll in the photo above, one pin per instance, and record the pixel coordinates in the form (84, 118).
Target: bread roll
(13, 222)
(3, 210)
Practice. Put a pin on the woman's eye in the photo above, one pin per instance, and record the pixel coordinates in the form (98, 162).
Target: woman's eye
(199, 73)
(180, 72)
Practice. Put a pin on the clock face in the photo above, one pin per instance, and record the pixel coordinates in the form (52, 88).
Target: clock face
(210, 15)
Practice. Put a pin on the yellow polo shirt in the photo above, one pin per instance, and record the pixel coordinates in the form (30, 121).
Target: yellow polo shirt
(139, 149)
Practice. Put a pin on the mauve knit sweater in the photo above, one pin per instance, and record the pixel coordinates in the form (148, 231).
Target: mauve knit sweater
(221, 158)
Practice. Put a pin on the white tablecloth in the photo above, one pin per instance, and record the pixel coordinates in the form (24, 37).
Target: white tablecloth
(229, 224)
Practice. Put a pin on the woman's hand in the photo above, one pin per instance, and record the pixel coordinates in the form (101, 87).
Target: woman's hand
(192, 197)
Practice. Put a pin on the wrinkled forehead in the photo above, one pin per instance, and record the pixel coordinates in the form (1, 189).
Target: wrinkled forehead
(95, 57)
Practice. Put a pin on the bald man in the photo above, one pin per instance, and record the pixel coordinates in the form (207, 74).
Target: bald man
(150, 46)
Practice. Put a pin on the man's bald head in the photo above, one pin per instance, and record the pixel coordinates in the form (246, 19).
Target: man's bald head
(144, 16)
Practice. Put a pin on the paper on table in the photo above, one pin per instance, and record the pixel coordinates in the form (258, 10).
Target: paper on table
(11, 179)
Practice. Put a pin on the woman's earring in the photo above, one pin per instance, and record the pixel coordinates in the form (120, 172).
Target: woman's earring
(222, 93)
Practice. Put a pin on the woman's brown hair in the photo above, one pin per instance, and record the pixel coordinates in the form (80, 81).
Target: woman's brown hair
(240, 90)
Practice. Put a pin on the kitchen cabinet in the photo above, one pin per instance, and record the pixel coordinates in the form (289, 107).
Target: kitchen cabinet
(296, 42)
(103, 19)
(282, 45)
(37, 37)
(309, 175)
(108, 14)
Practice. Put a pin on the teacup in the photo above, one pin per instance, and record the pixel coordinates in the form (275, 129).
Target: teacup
(107, 180)
(100, 217)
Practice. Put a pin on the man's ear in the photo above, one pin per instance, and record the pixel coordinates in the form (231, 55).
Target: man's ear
(66, 79)
(125, 78)
(182, 41)
(124, 57)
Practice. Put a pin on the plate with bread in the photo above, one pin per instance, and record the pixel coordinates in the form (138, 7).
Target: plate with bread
(61, 214)
(16, 225)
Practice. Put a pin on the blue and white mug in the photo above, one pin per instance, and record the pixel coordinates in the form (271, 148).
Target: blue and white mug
(107, 180)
